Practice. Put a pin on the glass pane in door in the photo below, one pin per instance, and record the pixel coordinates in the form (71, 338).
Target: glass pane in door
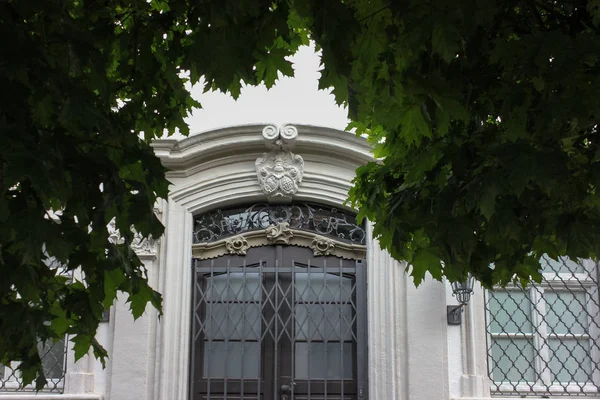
(325, 316)
(232, 325)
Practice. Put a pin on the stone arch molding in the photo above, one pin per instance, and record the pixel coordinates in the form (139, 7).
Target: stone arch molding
(219, 168)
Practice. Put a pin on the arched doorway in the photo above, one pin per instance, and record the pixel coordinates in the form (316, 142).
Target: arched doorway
(216, 170)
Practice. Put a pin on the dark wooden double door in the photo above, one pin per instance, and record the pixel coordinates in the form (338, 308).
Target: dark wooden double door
(279, 323)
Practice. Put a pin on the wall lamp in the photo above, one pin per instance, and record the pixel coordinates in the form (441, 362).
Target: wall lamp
(462, 291)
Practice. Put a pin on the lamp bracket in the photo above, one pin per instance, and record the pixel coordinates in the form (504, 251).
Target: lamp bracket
(454, 314)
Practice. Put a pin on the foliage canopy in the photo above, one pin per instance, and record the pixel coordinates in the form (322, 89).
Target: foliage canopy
(483, 115)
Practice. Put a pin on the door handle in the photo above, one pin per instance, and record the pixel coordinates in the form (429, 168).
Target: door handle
(285, 392)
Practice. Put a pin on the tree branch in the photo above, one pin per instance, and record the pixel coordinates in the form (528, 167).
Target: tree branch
(374, 13)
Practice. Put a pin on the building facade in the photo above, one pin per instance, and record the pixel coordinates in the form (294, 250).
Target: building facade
(272, 290)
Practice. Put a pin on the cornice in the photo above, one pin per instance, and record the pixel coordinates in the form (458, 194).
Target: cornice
(181, 155)
(218, 168)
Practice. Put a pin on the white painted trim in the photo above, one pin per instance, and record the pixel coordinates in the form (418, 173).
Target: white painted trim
(387, 322)
(216, 169)
(174, 333)
(475, 381)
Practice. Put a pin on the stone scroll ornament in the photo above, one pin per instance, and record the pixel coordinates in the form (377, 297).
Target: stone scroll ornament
(279, 171)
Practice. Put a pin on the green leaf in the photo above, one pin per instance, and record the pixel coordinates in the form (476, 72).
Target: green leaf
(516, 126)
(113, 279)
(445, 41)
(487, 204)
(271, 65)
(140, 299)
(538, 83)
(81, 345)
(593, 7)
(414, 127)
(424, 261)
(60, 325)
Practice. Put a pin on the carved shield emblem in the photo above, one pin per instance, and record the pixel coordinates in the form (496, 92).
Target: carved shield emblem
(279, 172)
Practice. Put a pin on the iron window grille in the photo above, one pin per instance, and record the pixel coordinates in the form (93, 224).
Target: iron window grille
(278, 322)
(544, 340)
(328, 221)
(54, 358)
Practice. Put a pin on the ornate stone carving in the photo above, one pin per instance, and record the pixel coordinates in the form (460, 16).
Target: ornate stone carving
(271, 136)
(143, 247)
(114, 236)
(288, 135)
(322, 246)
(279, 138)
(280, 171)
(237, 245)
(279, 233)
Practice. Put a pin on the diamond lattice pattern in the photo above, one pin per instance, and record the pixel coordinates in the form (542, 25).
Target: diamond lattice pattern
(545, 339)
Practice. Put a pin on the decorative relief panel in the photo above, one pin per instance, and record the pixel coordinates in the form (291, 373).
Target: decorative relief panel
(237, 245)
(327, 231)
(114, 236)
(322, 246)
(279, 171)
(143, 247)
(280, 233)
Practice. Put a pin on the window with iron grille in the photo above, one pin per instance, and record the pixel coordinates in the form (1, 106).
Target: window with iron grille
(53, 356)
(545, 339)
(53, 361)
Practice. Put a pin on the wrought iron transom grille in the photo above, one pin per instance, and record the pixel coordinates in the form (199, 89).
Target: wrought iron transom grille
(323, 220)
(53, 361)
(544, 340)
(279, 322)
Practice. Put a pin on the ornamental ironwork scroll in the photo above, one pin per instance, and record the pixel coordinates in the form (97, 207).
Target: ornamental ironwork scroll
(321, 220)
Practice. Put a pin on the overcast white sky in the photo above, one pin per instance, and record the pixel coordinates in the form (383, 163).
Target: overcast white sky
(291, 100)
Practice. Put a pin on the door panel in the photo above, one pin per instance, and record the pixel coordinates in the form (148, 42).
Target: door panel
(278, 322)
